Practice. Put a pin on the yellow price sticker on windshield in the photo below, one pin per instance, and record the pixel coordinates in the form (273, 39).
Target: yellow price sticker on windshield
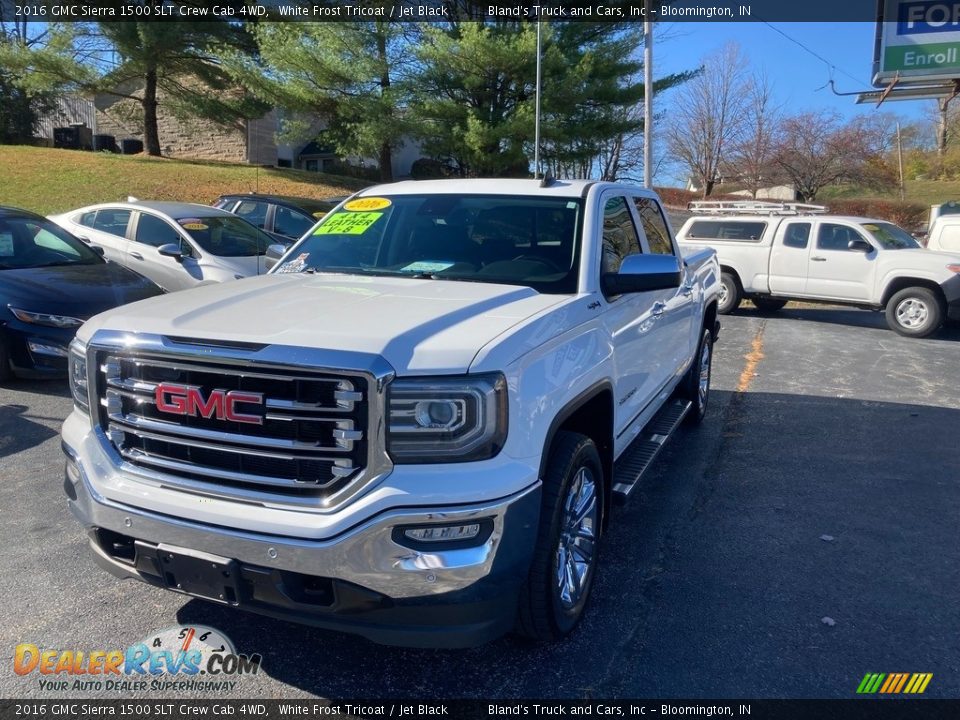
(356, 223)
(367, 203)
(194, 226)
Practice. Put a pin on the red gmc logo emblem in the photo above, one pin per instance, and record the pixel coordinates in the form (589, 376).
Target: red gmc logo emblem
(220, 404)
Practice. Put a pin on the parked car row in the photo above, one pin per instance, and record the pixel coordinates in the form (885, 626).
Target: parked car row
(50, 284)
(57, 272)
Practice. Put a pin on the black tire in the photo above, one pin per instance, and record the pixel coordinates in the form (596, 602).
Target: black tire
(690, 385)
(768, 304)
(5, 372)
(730, 293)
(915, 312)
(544, 613)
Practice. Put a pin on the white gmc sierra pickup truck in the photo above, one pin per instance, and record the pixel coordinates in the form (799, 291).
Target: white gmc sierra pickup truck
(413, 428)
(775, 252)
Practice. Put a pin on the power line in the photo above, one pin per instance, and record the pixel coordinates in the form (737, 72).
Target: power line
(819, 57)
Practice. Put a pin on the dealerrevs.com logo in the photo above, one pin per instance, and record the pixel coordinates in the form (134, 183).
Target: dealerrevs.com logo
(183, 657)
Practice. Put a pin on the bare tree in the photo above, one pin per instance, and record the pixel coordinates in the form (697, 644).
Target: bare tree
(708, 115)
(750, 159)
(817, 150)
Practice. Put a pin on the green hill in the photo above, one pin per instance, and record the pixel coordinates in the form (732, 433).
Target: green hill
(51, 181)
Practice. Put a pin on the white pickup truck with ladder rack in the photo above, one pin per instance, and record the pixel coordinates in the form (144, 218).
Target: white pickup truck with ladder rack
(774, 252)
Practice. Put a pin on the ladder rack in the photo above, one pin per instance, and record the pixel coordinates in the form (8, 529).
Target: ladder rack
(753, 207)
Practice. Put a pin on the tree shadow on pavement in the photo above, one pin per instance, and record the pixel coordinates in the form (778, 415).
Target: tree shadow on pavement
(18, 431)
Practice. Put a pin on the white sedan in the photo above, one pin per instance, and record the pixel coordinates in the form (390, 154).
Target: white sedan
(177, 245)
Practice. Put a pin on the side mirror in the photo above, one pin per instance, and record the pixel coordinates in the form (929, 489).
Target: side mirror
(640, 273)
(97, 249)
(859, 246)
(276, 251)
(171, 250)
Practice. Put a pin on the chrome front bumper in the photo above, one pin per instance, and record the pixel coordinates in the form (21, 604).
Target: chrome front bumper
(366, 555)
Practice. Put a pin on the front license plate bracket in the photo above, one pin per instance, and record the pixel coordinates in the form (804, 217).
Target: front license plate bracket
(200, 574)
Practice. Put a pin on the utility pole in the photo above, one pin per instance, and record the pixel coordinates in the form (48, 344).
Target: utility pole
(900, 161)
(536, 122)
(647, 103)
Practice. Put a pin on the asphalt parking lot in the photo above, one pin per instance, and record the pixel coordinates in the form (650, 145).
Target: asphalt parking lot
(807, 534)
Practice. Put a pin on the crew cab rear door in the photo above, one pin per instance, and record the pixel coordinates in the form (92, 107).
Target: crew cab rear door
(643, 342)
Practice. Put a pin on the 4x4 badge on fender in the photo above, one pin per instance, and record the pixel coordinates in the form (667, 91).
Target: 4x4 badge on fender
(220, 404)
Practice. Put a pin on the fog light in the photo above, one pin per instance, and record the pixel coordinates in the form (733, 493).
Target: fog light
(72, 471)
(445, 533)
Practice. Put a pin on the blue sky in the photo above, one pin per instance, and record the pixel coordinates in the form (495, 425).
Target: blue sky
(797, 76)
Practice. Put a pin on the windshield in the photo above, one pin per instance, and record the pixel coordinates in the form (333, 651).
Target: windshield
(226, 236)
(27, 242)
(891, 237)
(529, 241)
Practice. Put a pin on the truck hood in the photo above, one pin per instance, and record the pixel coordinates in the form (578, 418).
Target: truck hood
(418, 326)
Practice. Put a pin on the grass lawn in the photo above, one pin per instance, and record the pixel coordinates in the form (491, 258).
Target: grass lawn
(922, 192)
(51, 181)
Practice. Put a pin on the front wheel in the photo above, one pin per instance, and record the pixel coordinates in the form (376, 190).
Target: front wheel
(695, 385)
(730, 294)
(915, 312)
(565, 556)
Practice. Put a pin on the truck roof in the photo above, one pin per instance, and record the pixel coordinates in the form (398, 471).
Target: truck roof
(764, 218)
(494, 186)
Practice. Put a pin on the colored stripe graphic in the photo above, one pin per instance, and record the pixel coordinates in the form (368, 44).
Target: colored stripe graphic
(903, 681)
(894, 683)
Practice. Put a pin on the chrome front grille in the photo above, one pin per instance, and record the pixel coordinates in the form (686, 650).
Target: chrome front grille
(235, 428)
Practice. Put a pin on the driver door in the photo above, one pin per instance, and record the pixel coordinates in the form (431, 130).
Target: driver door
(837, 272)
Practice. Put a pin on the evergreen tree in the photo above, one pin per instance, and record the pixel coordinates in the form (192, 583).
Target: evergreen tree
(474, 105)
(347, 73)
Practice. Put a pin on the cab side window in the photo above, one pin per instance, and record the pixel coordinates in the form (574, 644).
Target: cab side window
(796, 235)
(835, 237)
(654, 226)
(619, 235)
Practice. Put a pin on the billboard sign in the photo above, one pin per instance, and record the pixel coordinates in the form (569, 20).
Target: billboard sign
(917, 40)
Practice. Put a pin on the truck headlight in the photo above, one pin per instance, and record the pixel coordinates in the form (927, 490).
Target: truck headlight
(77, 370)
(447, 419)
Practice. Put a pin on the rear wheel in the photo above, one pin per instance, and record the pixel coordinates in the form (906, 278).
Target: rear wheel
(768, 304)
(565, 556)
(915, 312)
(730, 294)
(695, 385)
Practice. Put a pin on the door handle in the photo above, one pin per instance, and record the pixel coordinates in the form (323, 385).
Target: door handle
(658, 309)
(818, 259)
(136, 256)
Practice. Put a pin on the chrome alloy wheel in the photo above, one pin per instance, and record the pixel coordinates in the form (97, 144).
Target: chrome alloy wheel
(703, 388)
(724, 294)
(912, 312)
(578, 535)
